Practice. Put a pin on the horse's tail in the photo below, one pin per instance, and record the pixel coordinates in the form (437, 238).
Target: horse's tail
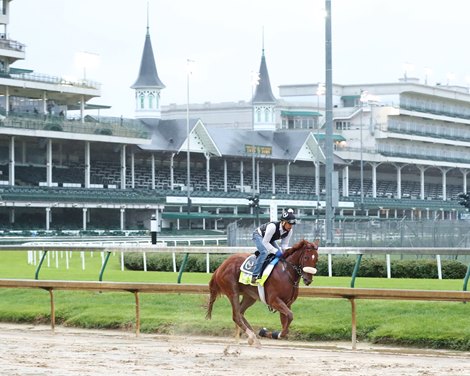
(214, 291)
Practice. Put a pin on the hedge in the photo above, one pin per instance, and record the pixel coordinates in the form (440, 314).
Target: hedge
(375, 267)
(342, 266)
(164, 262)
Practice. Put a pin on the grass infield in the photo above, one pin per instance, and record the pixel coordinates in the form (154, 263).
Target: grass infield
(420, 324)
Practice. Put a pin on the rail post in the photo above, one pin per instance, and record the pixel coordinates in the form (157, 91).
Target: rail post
(36, 275)
(183, 265)
(465, 280)
(353, 323)
(51, 294)
(137, 313)
(356, 269)
(104, 265)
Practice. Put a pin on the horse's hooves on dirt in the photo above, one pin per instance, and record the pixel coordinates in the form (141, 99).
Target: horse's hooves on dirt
(250, 341)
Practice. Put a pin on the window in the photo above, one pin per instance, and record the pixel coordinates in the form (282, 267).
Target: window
(142, 102)
(151, 101)
(266, 115)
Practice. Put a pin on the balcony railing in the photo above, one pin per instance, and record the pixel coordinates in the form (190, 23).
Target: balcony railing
(39, 77)
(8, 44)
(121, 127)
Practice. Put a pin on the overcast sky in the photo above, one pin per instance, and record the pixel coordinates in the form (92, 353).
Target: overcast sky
(372, 42)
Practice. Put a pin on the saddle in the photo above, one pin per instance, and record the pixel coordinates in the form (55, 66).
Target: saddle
(246, 269)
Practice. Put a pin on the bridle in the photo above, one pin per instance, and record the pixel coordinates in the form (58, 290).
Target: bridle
(298, 269)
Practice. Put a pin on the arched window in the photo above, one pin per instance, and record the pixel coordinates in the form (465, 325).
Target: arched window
(258, 115)
(151, 97)
(142, 101)
(266, 115)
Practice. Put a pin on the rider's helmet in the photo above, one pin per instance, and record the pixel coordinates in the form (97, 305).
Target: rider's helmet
(289, 217)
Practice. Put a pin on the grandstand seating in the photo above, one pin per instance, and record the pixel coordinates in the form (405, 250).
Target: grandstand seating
(108, 174)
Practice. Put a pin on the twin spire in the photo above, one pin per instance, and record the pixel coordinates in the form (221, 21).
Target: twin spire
(148, 86)
(148, 76)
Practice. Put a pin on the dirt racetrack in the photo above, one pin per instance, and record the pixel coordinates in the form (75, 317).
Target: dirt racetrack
(35, 350)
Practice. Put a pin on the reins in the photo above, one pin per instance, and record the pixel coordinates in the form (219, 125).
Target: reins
(297, 268)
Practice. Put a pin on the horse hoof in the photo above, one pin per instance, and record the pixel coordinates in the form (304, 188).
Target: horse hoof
(250, 341)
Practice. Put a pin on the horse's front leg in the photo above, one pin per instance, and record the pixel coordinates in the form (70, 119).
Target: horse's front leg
(286, 317)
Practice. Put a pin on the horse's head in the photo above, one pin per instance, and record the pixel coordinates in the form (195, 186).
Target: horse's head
(305, 257)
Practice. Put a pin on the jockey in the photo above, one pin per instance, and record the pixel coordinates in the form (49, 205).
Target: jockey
(265, 237)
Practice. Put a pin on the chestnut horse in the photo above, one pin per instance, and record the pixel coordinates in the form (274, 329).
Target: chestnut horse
(281, 288)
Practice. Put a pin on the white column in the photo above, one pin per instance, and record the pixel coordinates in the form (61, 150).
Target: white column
(48, 218)
(7, 100)
(345, 181)
(12, 215)
(84, 216)
(288, 177)
(82, 109)
(49, 163)
(123, 211)
(44, 103)
(123, 167)
(225, 176)
(153, 170)
(132, 170)
(374, 179)
(11, 163)
(257, 176)
(273, 178)
(398, 181)
(87, 164)
(241, 174)
(208, 174)
(464, 182)
(444, 183)
(172, 171)
(421, 174)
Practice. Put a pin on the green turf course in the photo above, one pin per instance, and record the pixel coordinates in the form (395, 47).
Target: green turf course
(421, 324)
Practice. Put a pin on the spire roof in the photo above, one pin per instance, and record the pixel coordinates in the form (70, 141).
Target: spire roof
(148, 76)
(263, 93)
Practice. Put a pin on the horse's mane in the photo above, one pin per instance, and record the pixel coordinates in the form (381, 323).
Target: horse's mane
(299, 245)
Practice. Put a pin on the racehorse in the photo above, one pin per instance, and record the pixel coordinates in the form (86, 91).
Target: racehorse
(280, 289)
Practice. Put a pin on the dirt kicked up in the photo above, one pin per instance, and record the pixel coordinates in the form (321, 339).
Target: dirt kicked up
(35, 350)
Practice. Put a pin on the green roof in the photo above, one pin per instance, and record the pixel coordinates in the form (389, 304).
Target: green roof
(20, 70)
(300, 113)
(336, 137)
(206, 215)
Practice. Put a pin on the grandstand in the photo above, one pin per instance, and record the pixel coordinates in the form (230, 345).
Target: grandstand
(61, 171)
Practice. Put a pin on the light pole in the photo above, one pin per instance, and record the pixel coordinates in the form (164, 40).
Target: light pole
(320, 91)
(254, 84)
(188, 157)
(362, 100)
(329, 167)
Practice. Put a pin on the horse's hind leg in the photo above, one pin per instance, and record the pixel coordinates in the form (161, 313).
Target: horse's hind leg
(240, 320)
(247, 302)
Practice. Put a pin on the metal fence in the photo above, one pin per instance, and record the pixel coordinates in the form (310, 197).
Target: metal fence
(373, 233)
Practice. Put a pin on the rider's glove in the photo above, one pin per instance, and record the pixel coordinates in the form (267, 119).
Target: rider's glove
(279, 253)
